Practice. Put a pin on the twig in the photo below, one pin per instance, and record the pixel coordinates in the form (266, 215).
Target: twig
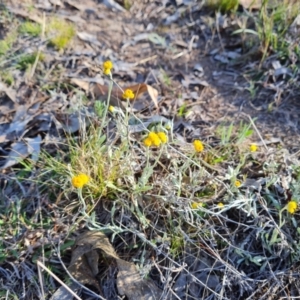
(145, 60)
(257, 131)
(57, 279)
(39, 50)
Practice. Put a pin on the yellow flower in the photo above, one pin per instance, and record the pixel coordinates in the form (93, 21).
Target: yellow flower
(80, 180)
(147, 142)
(196, 205)
(253, 148)
(220, 205)
(154, 138)
(198, 146)
(291, 207)
(111, 108)
(128, 94)
(237, 183)
(106, 71)
(162, 136)
(108, 65)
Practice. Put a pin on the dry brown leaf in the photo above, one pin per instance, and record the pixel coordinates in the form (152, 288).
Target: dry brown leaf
(22, 149)
(153, 93)
(138, 90)
(100, 91)
(82, 271)
(31, 15)
(81, 83)
(81, 6)
(130, 283)
(84, 267)
(8, 91)
(81, 267)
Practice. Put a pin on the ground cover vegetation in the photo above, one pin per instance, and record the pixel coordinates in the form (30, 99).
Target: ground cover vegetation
(109, 191)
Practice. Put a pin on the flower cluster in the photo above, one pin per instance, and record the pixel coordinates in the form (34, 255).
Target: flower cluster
(107, 66)
(80, 180)
(128, 94)
(155, 139)
(198, 145)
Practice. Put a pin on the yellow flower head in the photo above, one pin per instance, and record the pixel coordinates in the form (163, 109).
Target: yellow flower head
(196, 205)
(80, 180)
(253, 148)
(237, 183)
(154, 138)
(220, 205)
(108, 65)
(162, 136)
(128, 94)
(291, 207)
(198, 146)
(111, 108)
(106, 71)
(147, 142)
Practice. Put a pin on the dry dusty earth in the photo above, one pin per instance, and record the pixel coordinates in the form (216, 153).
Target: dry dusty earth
(184, 51)
(175, 49)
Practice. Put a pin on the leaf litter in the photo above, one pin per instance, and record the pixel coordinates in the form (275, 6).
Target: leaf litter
(84, 267)
(39, 110)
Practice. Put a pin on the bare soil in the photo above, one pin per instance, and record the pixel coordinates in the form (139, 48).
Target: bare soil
(186, 52)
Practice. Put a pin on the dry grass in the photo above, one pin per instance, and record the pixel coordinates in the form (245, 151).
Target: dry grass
(144, 198)
(202, 223)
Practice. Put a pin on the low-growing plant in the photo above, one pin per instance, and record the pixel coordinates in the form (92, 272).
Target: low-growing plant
(127, 4)
(7, 42)
(271, 27)
(30, 28)
(160, 198)
(7, 77)
(60, 32)
(27, 60)
(223, 5)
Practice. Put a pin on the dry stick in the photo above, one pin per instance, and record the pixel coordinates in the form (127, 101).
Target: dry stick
(39, 51)
(145, 60)
(218, 31)
(257, 131)
(190, 46)
(184, 52)
(57, 279)
(41, 281)
(43, 246)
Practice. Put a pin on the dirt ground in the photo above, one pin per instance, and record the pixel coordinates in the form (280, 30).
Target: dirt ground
(177, 50)
(182, 49)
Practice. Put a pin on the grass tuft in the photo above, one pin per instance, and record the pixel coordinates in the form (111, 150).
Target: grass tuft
(224, 205)
(60, 33)
(30, 28)
(7, 77)
(27, 60)
(223, 5)
(7, 42)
